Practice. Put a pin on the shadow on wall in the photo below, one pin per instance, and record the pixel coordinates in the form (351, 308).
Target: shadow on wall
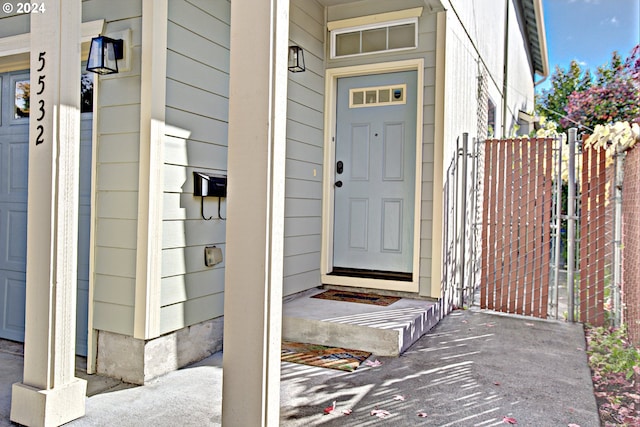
(192, 297)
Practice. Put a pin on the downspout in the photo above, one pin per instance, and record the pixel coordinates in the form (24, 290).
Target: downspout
(505, 74)
(539, 82)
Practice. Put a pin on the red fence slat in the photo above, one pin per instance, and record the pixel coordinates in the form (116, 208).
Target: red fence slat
(506, 304)
(546, 219)
(522, 171)
(488, 218)
(530, 216)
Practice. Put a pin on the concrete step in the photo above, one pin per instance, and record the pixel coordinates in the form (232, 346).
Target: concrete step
(383, 331)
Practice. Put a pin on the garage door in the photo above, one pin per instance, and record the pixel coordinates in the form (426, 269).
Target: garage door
(14, 161)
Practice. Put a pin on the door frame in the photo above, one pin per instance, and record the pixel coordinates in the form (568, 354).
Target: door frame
(330, 121)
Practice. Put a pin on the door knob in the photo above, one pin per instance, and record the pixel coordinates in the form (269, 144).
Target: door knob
(339, 167)
(338, 184)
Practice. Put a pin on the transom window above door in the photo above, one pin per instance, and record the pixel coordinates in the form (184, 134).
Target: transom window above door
(375, 38)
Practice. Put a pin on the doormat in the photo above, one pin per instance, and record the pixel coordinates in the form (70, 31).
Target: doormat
(362, 298)
(322, 356)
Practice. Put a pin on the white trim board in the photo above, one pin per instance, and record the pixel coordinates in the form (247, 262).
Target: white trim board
(376, 19)
(18, 46)
(326, 263)
(151, 170)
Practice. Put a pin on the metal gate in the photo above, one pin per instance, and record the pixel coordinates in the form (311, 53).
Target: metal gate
(530, 229)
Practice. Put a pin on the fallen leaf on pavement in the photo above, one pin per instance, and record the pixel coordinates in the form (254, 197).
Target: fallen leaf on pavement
(398, 397)
(380, 413)
(422, 414)
(330, 409)
(573, 425)
(349, 411)
(509, 420)
(374, 363)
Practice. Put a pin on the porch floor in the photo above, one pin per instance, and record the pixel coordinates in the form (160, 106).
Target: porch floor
(383, 331)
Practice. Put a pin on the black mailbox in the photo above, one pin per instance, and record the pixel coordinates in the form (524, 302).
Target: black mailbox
(207, 185)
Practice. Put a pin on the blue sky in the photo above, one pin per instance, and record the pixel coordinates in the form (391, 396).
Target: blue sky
(588, 31)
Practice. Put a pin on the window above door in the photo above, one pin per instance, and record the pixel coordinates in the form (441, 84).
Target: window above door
(386, 32)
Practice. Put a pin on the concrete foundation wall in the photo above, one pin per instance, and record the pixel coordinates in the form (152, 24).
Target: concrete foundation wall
(137, 361)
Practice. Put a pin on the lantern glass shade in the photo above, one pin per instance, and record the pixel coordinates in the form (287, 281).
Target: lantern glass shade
(104, 53)
(296, 59)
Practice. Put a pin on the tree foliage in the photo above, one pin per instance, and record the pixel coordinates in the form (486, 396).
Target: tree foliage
(577, 99)
(551, 103)
(615, 96)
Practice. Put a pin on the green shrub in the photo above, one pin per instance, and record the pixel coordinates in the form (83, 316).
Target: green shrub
(611, 352)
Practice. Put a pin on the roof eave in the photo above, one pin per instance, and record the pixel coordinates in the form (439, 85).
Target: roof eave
(542, 38)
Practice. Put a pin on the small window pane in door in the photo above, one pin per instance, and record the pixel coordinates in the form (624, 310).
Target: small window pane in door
(374, 40)
(398, 94)
(401, 36)
(383, 95)
(348, 43)
(22, 95)
(357, 98)
(372, 97)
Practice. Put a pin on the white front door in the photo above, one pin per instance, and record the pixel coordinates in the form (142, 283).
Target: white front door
(374, 202)
(14, 162)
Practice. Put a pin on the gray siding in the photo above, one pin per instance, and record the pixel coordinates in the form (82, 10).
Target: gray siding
(196, 140)
(305, 123)
(116, 184)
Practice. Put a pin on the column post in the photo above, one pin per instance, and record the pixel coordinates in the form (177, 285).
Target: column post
(255, 212)
(50, 394)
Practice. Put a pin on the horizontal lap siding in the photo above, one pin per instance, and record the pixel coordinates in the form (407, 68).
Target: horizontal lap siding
(112, 11)
(196, 140)
(303, 185)
(427, 43)
(117, 168)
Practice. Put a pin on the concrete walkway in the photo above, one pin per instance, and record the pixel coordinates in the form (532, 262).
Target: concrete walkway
(472, 369)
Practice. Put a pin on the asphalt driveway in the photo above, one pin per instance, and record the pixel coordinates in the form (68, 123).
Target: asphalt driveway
(472, 369)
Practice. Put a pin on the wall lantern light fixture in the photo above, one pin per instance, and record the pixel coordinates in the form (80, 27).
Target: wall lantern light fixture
(296, 59)
(104, 53)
